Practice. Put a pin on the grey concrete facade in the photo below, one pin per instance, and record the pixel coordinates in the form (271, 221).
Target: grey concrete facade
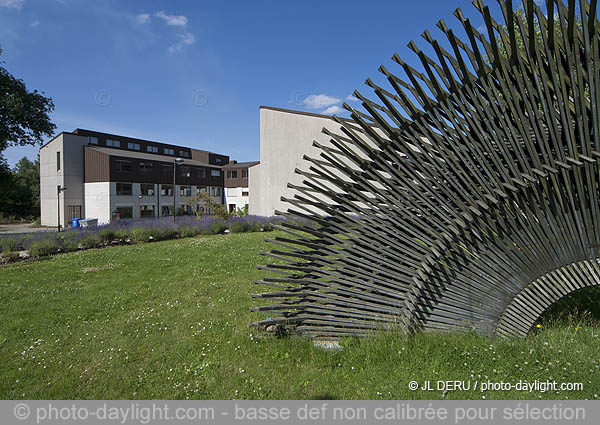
(65, 171)
(285, 137)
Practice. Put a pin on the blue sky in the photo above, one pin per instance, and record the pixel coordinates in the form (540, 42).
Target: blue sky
(195, 72)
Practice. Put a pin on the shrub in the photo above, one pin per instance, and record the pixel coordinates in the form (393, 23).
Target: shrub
(122, 234)
(142, 234)
(43, 248)
(68, 244)
(161, 233)
(10, 244)
(107, 235)
(188, 231)
(218, 227)
(91, 240)
(8, 257)
(238, 226)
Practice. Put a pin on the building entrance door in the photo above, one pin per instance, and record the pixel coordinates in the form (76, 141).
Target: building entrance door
(73, 211)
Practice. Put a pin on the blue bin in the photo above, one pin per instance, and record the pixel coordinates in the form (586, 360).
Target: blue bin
(75, 222)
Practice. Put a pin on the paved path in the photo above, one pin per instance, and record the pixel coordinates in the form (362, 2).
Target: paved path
(23, 228)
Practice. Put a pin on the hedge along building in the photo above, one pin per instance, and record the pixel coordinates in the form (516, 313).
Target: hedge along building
(108, 176)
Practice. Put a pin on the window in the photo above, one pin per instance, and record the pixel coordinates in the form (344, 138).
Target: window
(215, 173)
(124, 188)
(113, 143)
(146, 210)
(201, 173)
(185, 171)
(202, 189)
(124, 212)
(185, 191)
(146, 166)
(147, 189)
(244, 174)
(232, 174)
(218, 160)
(231, 208)
(185, 210)
(58, 161)
(168, 151)
(215, 191)
(166, 190)
(153, 149)
(134, 146)
(167, 170)
(184, 154)
(123, 165)
(92, 140)
(165, 210)
(245, 193)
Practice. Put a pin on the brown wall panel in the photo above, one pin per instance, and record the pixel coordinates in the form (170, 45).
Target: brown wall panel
(96, 165)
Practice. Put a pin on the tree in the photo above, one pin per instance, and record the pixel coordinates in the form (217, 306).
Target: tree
(24, 115)
(27, 179)
(209, 207)
(20, 190)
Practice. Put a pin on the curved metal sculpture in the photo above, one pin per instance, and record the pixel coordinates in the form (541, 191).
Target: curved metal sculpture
(467, 198)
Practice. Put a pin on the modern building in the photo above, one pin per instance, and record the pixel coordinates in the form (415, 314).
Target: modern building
(236, 185)
(286, 136)
(111, 177)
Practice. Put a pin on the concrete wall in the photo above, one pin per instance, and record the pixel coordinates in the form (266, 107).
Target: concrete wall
(284, 138)
(70, 175)
(97, 203)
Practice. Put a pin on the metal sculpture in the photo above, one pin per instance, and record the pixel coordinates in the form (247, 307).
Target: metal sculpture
(467, 198)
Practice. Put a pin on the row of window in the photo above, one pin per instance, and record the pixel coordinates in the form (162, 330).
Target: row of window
(147, 211)
(126, 189)
(233, 174)
(112, 143)
(123, 165)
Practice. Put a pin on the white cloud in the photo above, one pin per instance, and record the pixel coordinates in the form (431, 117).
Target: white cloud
(333, 110)
(185, 39)
(174, 20)
(15, 4)
(34, 24)
(143, 18)
(352, 98)
(317, 101)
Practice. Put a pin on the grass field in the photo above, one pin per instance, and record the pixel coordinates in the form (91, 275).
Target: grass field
(169, 320)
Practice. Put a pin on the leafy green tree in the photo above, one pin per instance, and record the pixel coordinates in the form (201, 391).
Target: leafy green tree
(210, 207)
(24, 120)
(20, 190)
(24, 114)
(27, 179)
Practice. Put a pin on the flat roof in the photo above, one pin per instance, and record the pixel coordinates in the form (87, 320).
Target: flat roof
(292, 111)
(241, 164)
(148, 156)
(78, 131)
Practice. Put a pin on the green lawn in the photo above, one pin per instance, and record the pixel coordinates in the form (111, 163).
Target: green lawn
(169, 320)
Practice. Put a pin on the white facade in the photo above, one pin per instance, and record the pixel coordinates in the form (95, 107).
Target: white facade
(236, 198)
